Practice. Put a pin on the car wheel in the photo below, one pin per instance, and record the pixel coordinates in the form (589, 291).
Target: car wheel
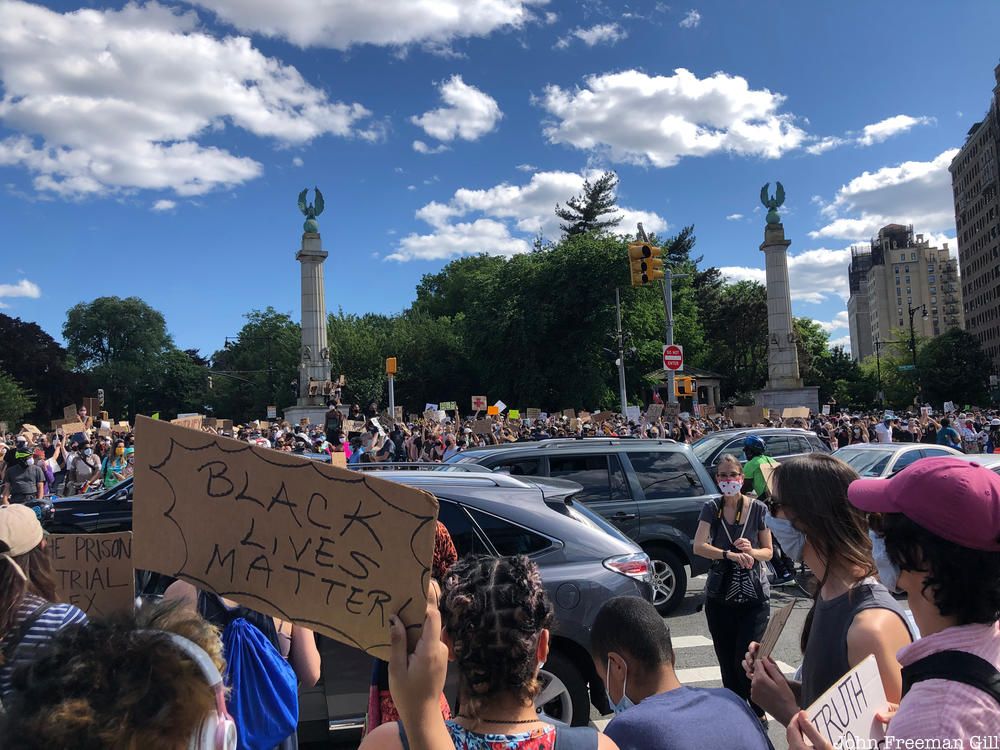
(563, 695)
(669, 579)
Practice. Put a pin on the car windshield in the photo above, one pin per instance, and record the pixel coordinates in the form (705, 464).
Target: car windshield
(868, 463)
(705, 447)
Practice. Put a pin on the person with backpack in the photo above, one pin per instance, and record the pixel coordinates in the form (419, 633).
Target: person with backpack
(496, 617)
(30, 614)
(948, 556)
(756, 473)
(266, 661)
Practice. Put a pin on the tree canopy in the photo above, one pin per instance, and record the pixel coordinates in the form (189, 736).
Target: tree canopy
(593, 210)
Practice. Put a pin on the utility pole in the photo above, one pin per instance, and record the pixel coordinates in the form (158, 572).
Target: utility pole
(668, 307)
(390, 371)
(911, 310)
(621, 352)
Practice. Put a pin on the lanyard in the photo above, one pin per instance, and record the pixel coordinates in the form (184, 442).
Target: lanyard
(725, 526)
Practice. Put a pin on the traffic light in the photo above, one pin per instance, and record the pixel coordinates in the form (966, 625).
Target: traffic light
(390, 365)
(644, 262)
(684, 386)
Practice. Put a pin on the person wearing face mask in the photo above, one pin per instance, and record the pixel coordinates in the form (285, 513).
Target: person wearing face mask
(115, 466)
(630, 645)
(83, 469)
(23, 480)
(732, 533)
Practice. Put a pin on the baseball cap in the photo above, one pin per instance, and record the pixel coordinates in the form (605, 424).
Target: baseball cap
(20, 531)
(955, 499)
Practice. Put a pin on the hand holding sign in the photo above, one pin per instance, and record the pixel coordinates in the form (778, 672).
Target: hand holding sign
(333, 550)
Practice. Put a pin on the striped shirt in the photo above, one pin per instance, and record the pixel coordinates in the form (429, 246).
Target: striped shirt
(941, 709)
(38, 636)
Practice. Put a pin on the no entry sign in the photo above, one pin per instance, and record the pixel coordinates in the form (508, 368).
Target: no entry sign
(673, 357)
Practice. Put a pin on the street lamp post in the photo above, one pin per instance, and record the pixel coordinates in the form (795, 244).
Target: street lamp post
(911, 311)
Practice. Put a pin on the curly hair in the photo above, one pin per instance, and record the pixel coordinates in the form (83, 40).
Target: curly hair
(103, 686)
(494, 609)
(964, 583)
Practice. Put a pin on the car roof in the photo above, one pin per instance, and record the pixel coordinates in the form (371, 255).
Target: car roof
(446, 479)
(595, 445)
(887, 447)
(989, 460)
(737, 431)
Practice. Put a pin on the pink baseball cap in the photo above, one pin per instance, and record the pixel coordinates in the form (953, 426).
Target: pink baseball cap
(955, 499)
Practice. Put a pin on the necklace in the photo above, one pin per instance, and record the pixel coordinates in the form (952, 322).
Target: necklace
(497, 721)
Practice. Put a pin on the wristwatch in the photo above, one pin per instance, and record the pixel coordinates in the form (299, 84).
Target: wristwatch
(725, 554)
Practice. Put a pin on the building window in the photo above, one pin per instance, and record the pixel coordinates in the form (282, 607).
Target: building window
(900, 322)
(932, 278)
(897, 281)
(907, 279)
(909, 300)
(906, 268)
(933, 300)
(913, 256)
(933, 290)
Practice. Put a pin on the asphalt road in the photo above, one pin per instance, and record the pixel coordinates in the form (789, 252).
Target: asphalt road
(696, 662)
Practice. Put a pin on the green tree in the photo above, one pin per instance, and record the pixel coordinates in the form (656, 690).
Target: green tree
(736, 332)
(258, 368)
(32, 357)
(359, 345)
(118, 343)
(15, 401)
(812, 344)
(587, 212)
(953, 367)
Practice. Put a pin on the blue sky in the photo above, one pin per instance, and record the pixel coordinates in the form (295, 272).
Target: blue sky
(157, 150)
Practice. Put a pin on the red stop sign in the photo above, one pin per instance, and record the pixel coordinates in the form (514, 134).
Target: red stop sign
(673, 357)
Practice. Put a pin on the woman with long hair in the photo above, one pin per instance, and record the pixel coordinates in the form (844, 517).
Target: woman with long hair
(29, 613)
(732, 533)
(853, 615)
(496, 619)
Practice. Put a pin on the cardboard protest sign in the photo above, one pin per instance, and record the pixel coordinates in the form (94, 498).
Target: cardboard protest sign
(533, 413)
(633, 413)
(583, 416)
(746, 415)
(353, 426)
(846, 712)
(654, 411)
(500, 406)
(671, 411)
(826, 410)
(514, 414)
(492, 411)
(430, 407)
(333, 550)
(569, 413)
(448, 406)
(69, 412)
(93, 406)
(397, 413)
(191, 422)
(479, 403)
(339, 460)
(795, 412)
(949, 406)
(94, 571)
(482, 427)
(774, 627)
(431, 415)
(72, 428)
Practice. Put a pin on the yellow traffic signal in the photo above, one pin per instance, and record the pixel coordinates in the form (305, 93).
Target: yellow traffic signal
(684, 386)
(390, 365)
(645, 265)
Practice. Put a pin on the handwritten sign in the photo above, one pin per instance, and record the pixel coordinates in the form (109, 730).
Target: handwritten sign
(492, 410)
(514, 414)
(603, 416)
(192, 423)
(351, 426)
(94, 571)
(795, 412)
(479, 403)
(448, 406)
(846, 712)
(569, 413)
(333, 550)
(773, 632)
(69, 412)
(654, 411)
(482, 427)
(73, 428)
(533, 413)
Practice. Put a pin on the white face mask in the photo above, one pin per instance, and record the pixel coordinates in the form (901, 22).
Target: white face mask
(30, 462)
(730, 487)
(88, 452)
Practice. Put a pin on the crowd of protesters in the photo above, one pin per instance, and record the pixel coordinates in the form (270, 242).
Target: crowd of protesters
(156, 678)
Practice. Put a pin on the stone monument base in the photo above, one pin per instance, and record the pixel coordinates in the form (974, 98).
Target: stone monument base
(778, 399)
(315, 414)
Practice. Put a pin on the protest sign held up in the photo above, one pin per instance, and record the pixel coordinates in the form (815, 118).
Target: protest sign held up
(333, 550)
(94, 571)
(846, 712)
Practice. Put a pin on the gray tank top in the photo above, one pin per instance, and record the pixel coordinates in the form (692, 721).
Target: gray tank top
(825, 659)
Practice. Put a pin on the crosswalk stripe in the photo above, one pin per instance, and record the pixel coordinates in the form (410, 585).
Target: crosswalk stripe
(714, 674)
(690, 641)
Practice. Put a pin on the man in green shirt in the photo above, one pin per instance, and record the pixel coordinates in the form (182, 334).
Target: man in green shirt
(755, 451)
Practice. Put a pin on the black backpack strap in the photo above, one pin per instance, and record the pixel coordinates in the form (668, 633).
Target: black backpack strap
(14, 639)
(575, 738)
(955, 666)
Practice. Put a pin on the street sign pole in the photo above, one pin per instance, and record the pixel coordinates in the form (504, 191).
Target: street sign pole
(392, 395)
(621, 353)
(668, 308)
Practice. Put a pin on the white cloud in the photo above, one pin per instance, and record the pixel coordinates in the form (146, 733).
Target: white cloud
(551, 18)
(297, 161)
(526, 168)
(603, 33)
(422, 148)
(506, 212)
(814, 276)
(825, 144)
(890, 126)
(22, 288)
(109, 100)
(839, 322)
(691, 20)
(734, 217)
(469, 113)
(164, 205)
(340, 24)
(843, 341)
(914, 192)
(643, 119)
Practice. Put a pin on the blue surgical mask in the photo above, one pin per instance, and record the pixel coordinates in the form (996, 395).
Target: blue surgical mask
(888, 572)
(626, 702)
(791, 539)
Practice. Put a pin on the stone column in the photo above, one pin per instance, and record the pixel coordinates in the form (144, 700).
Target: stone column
(315, 356)
(782, 355)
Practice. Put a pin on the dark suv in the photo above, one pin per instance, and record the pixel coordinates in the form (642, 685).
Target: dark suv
(584, 561)
(653, 490)
(781, 442)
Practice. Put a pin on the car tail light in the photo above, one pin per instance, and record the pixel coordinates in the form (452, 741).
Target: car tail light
(636, 566)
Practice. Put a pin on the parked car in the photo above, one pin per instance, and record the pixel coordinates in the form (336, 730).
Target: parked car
(990, 460)
(884, 460)
(584, 561)
(781, 442)
(652, 490)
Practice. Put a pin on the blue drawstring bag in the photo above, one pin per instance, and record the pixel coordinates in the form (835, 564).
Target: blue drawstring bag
(263, 691)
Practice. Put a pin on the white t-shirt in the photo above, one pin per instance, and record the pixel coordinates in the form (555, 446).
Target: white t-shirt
(883, 433)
